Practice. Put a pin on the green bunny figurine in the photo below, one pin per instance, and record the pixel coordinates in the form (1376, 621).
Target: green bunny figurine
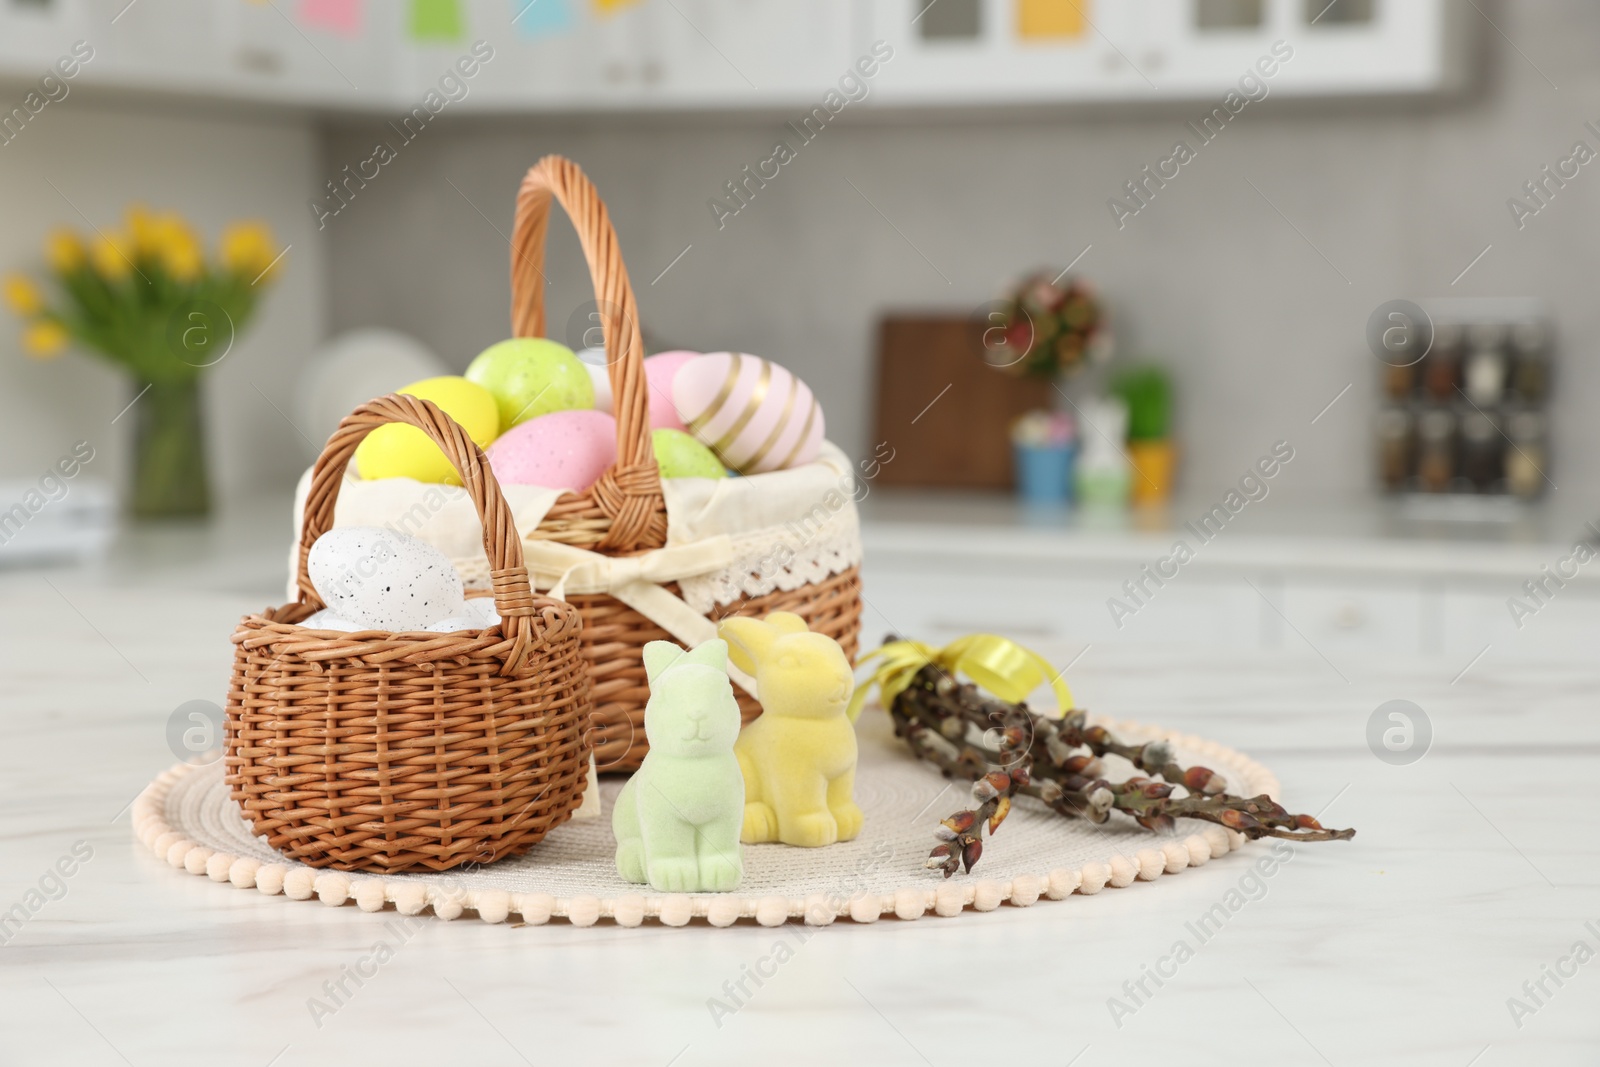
(678, 818)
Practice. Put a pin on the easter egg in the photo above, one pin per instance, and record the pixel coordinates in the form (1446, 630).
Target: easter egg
(660, 371)
(754, 414)
(400, 451)
(328, 620)
(454, 625)
(383, 580)
(483, 610)
(529, 377)
(561, 450)
(681, 456)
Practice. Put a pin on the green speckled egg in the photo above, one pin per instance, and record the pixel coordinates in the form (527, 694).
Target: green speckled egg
(681, 456)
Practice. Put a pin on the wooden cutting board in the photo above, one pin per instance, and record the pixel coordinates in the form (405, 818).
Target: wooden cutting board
(945, 411)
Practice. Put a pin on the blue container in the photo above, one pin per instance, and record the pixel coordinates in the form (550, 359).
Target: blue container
(1044, 473)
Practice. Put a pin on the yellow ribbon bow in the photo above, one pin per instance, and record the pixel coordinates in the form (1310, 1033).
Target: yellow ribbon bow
(997, 664)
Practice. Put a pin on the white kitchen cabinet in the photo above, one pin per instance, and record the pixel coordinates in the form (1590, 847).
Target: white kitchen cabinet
(257, 50)
(229, 49)
(933, 65)
(1567, 626)
(779, 55)
(938, 567)
(1353, 48)
(32, 39)
(752, 52)
(1039, 601)
(1166, 50)
(1353, 617)
(1191, 611)
(937, 608)
(686, 54)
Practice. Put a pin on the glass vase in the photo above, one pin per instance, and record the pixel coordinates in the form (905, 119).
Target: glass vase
(169, 452)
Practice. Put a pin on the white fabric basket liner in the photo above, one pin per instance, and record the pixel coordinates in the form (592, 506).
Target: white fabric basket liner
(187, 818)
(786, 528)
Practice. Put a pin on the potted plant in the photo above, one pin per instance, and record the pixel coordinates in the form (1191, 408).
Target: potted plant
(1147, 391)
(1059, 326)
(149, 300)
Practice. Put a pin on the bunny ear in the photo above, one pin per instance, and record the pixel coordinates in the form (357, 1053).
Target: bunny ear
(658, 656)
(748, 640)
(712, 653)
(786, 622)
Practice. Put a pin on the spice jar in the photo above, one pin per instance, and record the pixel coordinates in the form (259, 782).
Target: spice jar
(1531, 376)
(1394, 448)
(1399, 382)
(1482, 452)
(1441, 367)
(1527, 457)
(1485, 376)
(1436, 433)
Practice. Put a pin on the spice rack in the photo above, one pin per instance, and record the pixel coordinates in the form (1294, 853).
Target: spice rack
(1468, 420)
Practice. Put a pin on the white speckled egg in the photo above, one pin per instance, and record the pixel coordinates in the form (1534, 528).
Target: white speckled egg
(453, 625)
(383, 580)
(752, 413)
(482, 609)
(329, 620)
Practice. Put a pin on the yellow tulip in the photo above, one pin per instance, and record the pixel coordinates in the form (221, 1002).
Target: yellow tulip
(23, 296)
(146, 230)
(174, 227)
(45, 339)
(248, 249)
(65, 250)
(181, 255)
(110, 257)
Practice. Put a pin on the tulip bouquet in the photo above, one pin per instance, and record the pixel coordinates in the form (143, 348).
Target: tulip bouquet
(149, 299)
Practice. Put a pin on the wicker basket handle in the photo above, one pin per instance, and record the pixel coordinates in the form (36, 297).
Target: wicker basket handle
(514, 598)
(630, 491)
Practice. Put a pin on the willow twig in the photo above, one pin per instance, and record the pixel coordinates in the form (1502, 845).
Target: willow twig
(1005, 749)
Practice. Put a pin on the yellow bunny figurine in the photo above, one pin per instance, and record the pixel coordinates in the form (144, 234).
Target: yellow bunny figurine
(799, 757)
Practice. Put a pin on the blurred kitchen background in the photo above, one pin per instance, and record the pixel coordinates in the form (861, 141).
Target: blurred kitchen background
(1343, 156)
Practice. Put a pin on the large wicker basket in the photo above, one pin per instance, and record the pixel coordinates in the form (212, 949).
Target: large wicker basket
(409, 751)
(624, 512)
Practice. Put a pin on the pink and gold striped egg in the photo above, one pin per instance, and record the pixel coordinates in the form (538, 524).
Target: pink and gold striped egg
(752, 413)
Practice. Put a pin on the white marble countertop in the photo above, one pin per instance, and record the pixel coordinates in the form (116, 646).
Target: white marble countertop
(1400, 947)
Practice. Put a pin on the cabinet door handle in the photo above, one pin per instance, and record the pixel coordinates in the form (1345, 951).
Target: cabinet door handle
(1349, 616)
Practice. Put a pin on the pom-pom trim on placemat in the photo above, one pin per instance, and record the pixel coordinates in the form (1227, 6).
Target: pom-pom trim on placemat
(153, 826)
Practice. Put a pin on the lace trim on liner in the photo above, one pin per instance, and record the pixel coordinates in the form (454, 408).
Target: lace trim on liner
(778, 557)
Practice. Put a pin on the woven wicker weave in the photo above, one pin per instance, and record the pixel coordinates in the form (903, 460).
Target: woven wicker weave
(623, 512)
(406, 751)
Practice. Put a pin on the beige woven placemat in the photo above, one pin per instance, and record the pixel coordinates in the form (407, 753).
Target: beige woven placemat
(186, 817)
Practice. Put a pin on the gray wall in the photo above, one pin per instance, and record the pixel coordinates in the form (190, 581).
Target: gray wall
(1261, 330)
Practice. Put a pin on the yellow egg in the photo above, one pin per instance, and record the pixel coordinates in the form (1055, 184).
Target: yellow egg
(398, 451)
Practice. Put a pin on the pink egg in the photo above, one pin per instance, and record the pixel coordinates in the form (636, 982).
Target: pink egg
(660, 370)
(561, 450)
(752, 413)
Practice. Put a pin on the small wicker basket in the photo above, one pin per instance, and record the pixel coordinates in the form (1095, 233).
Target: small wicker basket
(384, 751)
(624, 512)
